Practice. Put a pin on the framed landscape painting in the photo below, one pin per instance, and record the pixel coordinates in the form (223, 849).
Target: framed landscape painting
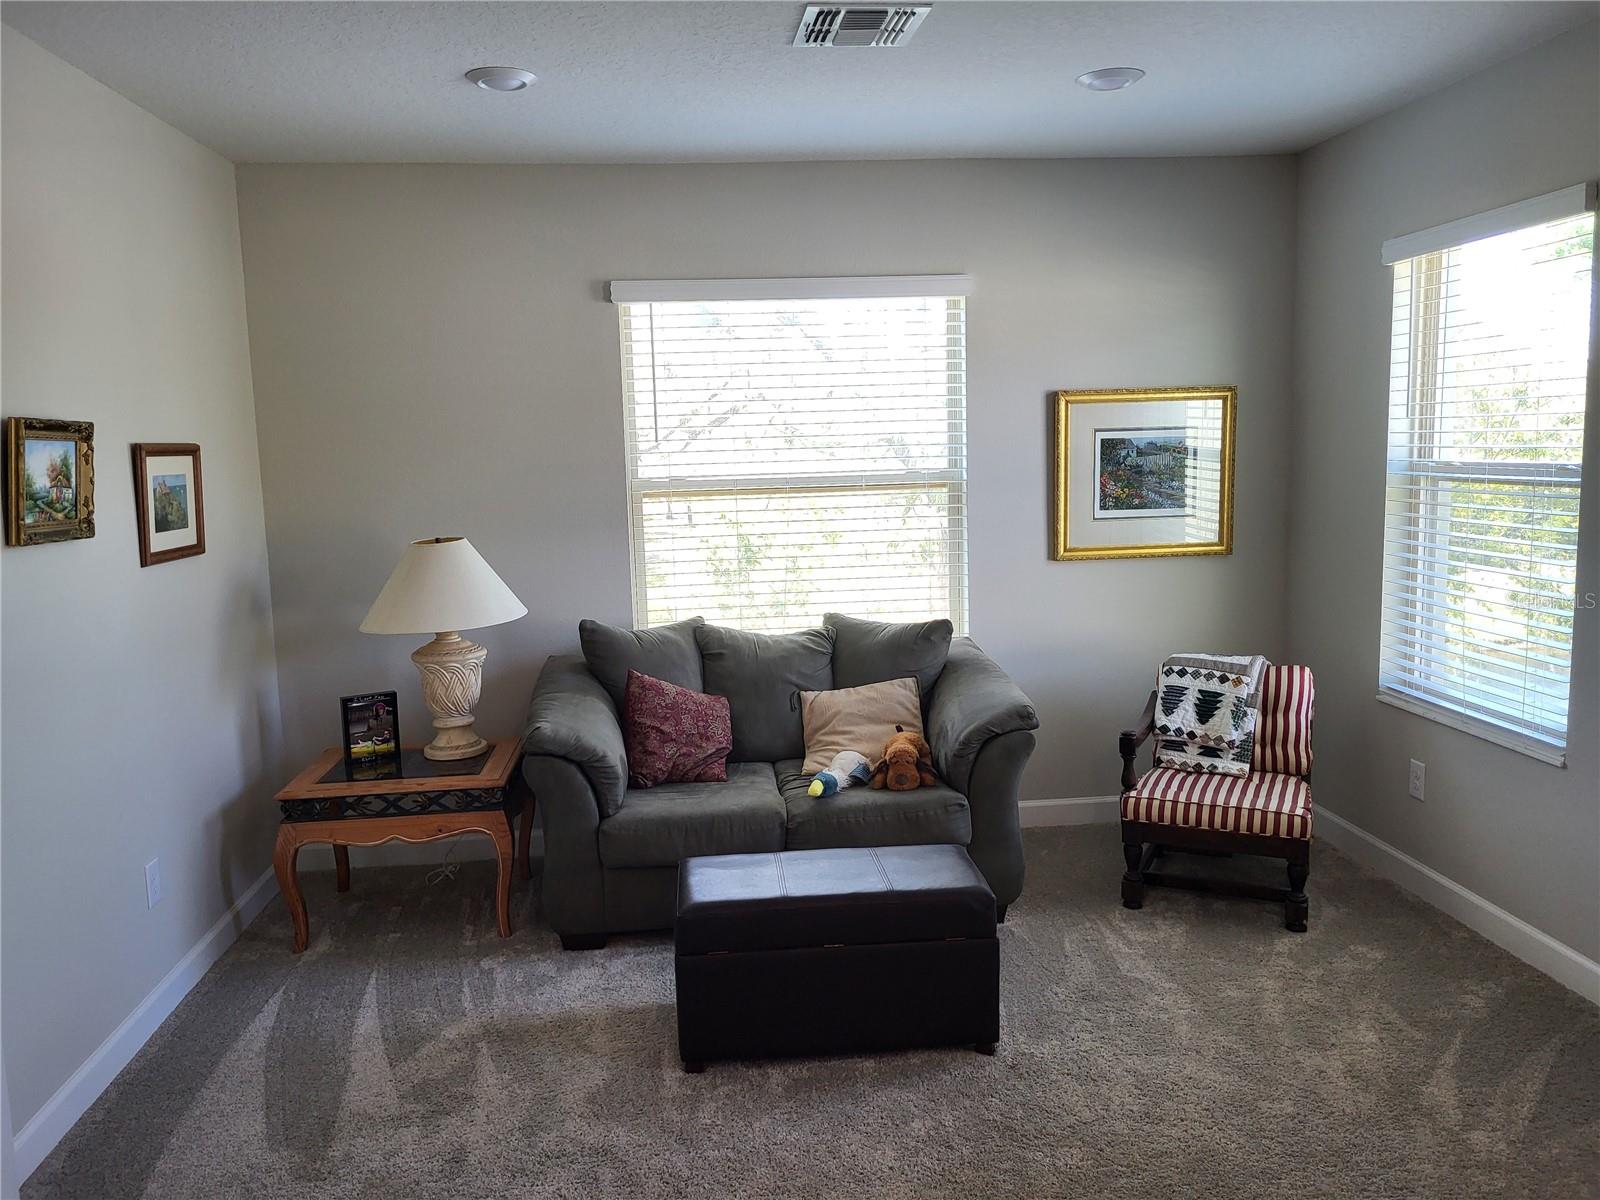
(170, 502)
(49, 480)
(1143, 472)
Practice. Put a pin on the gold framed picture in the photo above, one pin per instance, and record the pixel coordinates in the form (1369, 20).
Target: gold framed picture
(1143, 472)
(49, 480)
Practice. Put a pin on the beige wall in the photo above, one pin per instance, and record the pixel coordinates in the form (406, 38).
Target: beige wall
(1516, 831)
(140, 707)
(434, 354)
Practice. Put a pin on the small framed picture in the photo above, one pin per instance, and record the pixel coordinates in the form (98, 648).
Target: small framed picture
(371, 723)
(1143, 472)
(170, 502)
(49, 480)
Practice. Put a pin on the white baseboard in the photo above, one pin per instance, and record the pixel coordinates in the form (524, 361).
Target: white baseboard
(50, 1124)
(1533, 946)
(1077, 810)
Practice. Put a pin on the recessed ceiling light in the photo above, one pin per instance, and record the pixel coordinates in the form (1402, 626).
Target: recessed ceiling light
(1110, 79)
(501, 79)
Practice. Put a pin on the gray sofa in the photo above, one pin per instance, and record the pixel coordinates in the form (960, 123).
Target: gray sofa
(611, 851)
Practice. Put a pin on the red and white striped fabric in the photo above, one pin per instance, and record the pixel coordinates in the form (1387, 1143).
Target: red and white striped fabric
(1283, 722)
(1265, 803)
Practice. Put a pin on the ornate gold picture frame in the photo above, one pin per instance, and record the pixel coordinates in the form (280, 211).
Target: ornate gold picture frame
(49, 480)
(1143, 472)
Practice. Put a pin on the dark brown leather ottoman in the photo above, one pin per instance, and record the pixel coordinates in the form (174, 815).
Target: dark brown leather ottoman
(834, 951)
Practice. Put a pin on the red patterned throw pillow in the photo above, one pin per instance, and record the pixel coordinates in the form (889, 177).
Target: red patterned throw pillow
(674, 735)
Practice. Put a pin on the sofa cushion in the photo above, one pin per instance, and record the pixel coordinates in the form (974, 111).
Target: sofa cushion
(659, 826)
(762, 675)
(1263, 803)
(663, 652)
(674, 735)
(872, 651)
(859, 816)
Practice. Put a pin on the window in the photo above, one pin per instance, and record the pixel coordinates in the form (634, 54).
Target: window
(796, 447)
(1489, 369)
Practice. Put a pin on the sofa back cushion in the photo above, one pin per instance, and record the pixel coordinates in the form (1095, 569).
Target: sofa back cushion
(762, 675)
(663, 652)
(872, 651)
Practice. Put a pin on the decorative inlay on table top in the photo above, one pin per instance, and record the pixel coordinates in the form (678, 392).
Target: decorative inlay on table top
(395, 804)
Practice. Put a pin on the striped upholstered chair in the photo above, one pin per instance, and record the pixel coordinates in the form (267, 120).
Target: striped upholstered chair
(1266, 812)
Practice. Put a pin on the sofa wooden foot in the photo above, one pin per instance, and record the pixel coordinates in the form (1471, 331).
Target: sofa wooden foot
(583, 941)
(988, 1048)
(694, 1068)
(1000, 915)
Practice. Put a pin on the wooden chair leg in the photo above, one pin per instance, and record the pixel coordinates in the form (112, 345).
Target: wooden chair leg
(1132, 878)
(1295, 907)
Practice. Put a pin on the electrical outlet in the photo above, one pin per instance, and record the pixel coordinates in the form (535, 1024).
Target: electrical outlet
(152, 883)
(1419, 778)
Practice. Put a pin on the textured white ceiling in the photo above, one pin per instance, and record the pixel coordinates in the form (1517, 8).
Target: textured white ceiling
(666, 82)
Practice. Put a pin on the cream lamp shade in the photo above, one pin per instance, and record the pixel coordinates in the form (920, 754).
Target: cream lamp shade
(442, 584)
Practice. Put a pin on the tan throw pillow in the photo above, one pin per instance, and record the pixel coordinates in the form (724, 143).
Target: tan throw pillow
(862, 719)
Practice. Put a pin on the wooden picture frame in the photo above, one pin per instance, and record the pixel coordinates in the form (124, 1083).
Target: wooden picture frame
(49, 480)
(1143, 472)
(169, 501)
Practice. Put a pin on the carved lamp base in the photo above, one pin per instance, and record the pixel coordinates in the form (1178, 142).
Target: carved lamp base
(452, 679)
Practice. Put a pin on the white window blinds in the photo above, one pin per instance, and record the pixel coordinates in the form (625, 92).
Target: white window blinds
(794, 455)
(1489, 368)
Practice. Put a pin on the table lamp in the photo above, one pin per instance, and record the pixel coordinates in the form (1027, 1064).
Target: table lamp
(444, 584)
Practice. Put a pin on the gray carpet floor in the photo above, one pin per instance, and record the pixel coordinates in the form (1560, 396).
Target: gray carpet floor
(1191, 1049)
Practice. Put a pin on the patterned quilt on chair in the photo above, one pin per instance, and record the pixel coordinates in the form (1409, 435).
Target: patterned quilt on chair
(1206, 706)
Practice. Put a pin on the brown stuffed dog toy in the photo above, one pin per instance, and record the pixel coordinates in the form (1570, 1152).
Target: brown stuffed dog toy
(907, 763)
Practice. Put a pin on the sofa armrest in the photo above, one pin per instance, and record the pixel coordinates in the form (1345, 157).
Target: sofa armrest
(571, 717)
(973, 702)
(1129, 740)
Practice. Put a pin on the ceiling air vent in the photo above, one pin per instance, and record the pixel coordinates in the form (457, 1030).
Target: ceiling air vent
(831, 25)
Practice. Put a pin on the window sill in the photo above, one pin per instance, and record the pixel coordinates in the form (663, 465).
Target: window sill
(1485, 730)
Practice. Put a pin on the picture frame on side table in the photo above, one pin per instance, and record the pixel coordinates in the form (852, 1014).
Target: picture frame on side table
(1143, 472)
(371, 735)
(49, 480)
(169, 499)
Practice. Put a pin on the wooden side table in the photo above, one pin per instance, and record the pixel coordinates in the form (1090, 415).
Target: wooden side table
(426, 801)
